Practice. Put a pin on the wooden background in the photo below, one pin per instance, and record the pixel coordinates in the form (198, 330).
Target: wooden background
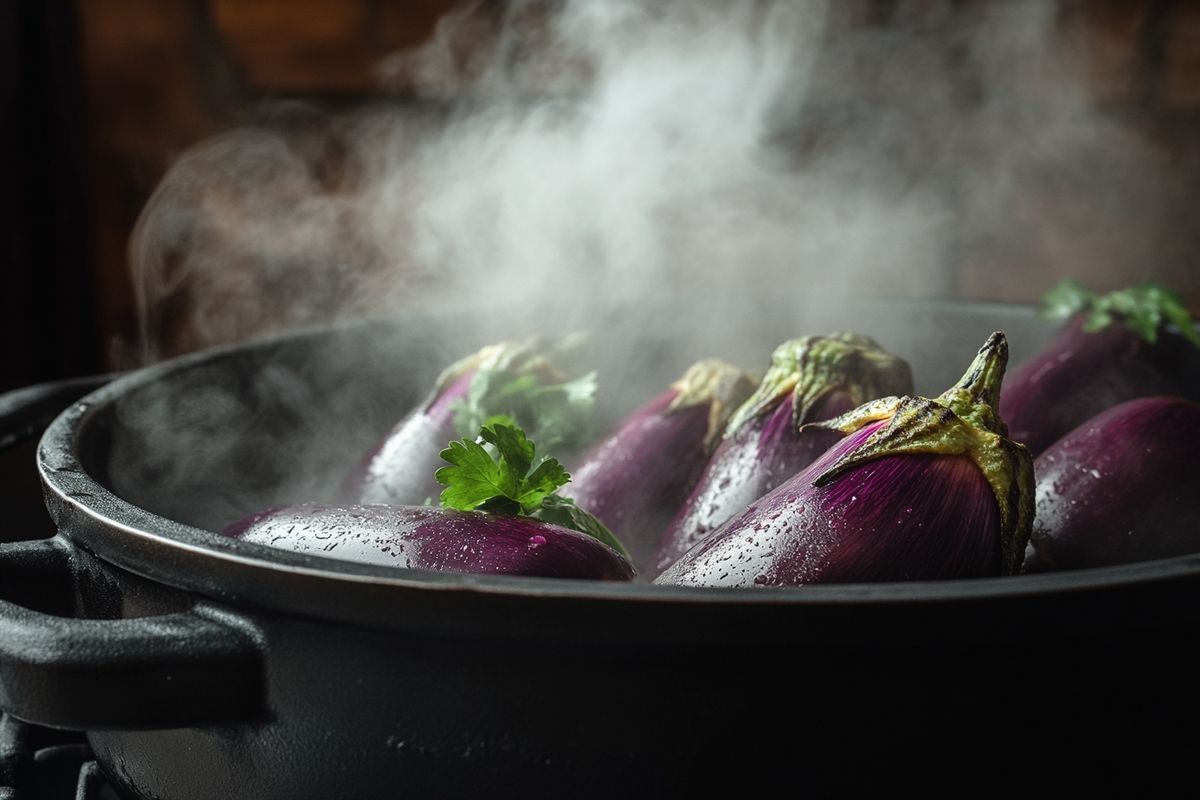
(159, 76)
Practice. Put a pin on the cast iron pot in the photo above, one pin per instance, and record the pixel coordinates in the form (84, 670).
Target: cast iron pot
(202, 667)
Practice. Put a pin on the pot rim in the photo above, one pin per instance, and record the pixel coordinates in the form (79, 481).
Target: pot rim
(206, 562)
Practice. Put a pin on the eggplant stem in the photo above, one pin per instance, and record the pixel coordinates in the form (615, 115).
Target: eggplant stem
(963, 420)
(717, 384)
(976, 396)
(810, 367)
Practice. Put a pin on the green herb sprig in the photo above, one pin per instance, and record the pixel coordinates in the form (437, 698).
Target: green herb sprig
(510, 482)
(1145, 309)
(561, 413)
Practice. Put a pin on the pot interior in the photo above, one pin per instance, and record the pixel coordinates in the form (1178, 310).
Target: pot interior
(213, 436)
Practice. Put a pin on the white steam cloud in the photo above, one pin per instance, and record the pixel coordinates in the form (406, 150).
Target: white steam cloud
(720, 167)
(722, 174)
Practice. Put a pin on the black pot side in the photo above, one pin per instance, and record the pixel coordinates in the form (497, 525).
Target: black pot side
(202, 667)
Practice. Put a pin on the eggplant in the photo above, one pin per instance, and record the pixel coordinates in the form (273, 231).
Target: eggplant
(1119, 489)
(767, 439)
(919, 489)
(635, 480)
(433, 538)
(1138, 342)
(518, 381)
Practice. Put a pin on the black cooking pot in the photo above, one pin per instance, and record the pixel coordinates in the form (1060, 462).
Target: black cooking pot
(202, 667)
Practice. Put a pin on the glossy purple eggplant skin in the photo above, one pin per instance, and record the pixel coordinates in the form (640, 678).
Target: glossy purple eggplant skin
(895, 518)
(754, 460)
(635, 480)
(1080, 374)
(1121, 488)
(399, 470)
(434, 538)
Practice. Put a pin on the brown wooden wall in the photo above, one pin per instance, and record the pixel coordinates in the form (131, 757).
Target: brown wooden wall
(161, 75)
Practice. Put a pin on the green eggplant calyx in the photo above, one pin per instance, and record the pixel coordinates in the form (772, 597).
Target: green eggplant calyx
(976, 396)
(810, 367)
(961, 421)
(715, 383)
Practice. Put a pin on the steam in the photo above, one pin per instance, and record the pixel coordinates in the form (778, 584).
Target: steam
(682, 179)
(600, 163)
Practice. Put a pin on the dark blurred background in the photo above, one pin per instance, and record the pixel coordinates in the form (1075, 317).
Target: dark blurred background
(99, 97)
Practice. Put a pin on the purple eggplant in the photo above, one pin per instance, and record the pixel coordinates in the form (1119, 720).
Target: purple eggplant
(919, 489)
(1120, 488)
(432, 538)
(635, 480)
(767, 440)
(1135, 343)
(517, 381)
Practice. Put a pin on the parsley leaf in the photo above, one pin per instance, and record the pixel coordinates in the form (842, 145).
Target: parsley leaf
(563, 412)
(542, 482)
(519, 386)
(1144, 309)
(563, 511)
(1171, 310)
(473, 477)
(505, 484)
(516, 451)
(1064, 301)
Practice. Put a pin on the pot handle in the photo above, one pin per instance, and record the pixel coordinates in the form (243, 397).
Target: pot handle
(26, 412)
(185, 669)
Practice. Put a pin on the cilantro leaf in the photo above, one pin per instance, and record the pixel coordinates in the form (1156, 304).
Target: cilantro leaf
(504, 483)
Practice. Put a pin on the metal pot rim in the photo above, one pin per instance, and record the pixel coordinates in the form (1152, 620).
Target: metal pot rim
(205, 562)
